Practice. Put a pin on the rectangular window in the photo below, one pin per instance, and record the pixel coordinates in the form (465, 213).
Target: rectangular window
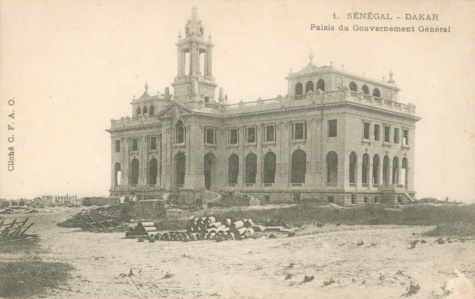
(387, 132)
(233, 136)
(270, 133)
(405, 138)
(135, 145)
(210, 136)
(376, 133)
(396, 135)
(117, 146)
(365, 130)
(153, 143)
(251, 135)
(332, 128)
(299, 131)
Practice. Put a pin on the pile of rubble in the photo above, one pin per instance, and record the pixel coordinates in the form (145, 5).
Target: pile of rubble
(94, 221)
(205, 228)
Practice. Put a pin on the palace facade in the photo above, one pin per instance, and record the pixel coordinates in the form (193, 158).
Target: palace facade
(335, 136)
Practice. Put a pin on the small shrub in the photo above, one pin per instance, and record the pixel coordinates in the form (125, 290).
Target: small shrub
(360, 243)
(288, 276)
(440, 240)
(167, 275)
(308, 278)
(381, 277)
(414, 243)
(328, 282)
(291, 265)
(446, 291)
(412, 289)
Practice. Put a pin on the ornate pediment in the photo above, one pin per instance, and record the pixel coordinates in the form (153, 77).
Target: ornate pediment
(174, 110)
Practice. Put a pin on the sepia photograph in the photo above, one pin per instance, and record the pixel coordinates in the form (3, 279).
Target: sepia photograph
(237, 149)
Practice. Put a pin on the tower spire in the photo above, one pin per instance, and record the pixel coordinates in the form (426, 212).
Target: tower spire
(194, 26)
(194, 14)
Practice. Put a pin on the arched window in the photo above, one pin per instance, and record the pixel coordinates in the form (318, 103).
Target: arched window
(144, 110)
(269, 168)
(309, 86)
(332, 169)
(405, 172)
(233, 169)
(151, 110)
(386, 170)
(202, 61)
(139, 111)
(321, 85)
(299, 166)
(298, 89)
(376, 93)
(353, 163)
(134, 172)
(180, 161)
(375, 170)
(353, 86)
(117, 174)
(365, 169)
(180, 132)
(395, 179)
(152, 171)
(365, 89)
(251, 168)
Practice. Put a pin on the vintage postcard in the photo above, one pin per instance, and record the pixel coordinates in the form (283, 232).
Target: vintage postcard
(237, 149)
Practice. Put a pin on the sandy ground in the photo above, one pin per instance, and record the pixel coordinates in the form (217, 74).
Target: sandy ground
(382, 267)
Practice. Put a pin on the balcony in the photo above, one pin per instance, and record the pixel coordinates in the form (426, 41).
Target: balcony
(317, 98)
(127, 122)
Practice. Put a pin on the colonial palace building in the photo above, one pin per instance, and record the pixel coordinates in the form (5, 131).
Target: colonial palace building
(334, 137)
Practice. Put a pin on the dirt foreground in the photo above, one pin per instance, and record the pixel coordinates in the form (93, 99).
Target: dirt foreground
(327, 262)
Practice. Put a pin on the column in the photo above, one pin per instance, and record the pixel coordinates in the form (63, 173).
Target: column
(180, 62)
(193, 59)
(210, 60)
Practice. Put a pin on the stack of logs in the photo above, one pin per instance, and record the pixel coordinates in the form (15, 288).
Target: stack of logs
(205, 228)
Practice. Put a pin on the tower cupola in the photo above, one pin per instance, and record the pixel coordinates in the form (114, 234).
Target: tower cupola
(194, 82)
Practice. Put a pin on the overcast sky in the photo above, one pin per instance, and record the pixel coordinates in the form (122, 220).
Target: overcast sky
(72, 66)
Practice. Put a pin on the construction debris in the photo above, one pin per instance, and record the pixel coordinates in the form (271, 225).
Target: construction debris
(111, 218)
(15, 230)
(94, 221)
(204, 228)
